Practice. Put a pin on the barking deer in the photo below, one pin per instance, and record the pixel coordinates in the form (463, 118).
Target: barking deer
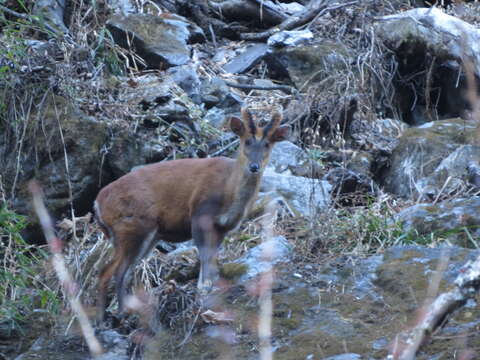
(182, 199)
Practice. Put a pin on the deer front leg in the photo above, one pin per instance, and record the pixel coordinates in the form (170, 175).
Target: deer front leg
(207, 238)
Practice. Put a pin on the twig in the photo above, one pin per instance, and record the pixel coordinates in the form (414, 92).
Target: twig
(467, 285)
(296, 20)
(265, 289)
(70, 287)
(225, 148)
(285, 88)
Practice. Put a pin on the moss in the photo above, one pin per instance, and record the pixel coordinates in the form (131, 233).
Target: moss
(232, 271)
(289, 324)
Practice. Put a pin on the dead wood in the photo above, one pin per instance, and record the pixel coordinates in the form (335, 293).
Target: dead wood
(284, 88)
(315, 9)
(433, 315)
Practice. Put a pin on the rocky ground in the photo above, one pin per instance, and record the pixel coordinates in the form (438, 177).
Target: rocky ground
(380, 175)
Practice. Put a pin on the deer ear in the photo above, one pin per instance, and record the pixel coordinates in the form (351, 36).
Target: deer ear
(237, 126)
(281, 133)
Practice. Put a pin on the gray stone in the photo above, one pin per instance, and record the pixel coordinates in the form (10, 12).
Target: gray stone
(380, 134)
(187, 78)
(448, 219)
(215, 92)
(62, 164)
(286, 155)
(247, 59)
(445, 41)
(435, 30)
(265, 256)
(215, 117)
(160, 41)
(349, 356)
(121, 6)
(304, 196)
(290, 38)
(420, 151)
(307, 63)
(453, 174)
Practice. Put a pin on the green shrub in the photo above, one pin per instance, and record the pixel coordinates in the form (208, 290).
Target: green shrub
(21, 288)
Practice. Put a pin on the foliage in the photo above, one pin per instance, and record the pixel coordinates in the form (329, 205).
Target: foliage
(21, 288)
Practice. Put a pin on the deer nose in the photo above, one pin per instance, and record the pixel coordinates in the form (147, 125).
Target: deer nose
(254, 167)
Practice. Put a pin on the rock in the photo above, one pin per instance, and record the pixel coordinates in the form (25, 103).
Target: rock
(183, 264)
(116, 345)
(157, 98)
(124, 7)
(288, 158)
(290, 38)
(379, 134)
(421, 150)
(265, 14)
(46, 156)
(349, 187)
(215, 92)
(349, 356)
(429, 39)
(447, 219)
(473, 170)
(453, 174)
(51, 11)
(361, 163)
(215, 117)
(303, 196)
(264, 257)
(247, 59)
(161, 41)
(187, 78)
(312, 63)
(160, 105)
(292, 7)
(432, 29)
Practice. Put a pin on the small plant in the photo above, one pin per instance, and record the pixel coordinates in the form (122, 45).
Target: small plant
(20, 288)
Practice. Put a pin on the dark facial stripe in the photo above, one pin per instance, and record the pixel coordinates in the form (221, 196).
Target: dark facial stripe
(252, 126)
(248, 121)
(272, 125)
(267, 129)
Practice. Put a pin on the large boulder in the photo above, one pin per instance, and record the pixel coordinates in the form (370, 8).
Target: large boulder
(420, 163)
(288, 158)
(431, 47)
(63, 151)
(456, 220)
(158, 105)
(303, 196)
(434, 31)
(307, 63)
(162, 41)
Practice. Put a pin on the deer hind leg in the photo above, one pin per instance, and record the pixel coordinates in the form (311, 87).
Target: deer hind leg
(207, 239)
(105, 276)
(131, 246)
(134, 252)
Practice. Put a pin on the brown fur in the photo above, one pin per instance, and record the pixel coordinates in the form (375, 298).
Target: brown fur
(180, 199)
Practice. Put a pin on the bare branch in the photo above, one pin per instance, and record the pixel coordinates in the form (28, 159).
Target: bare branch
(433, 316)
(316, 10)
(285, 88)
(69, 286)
